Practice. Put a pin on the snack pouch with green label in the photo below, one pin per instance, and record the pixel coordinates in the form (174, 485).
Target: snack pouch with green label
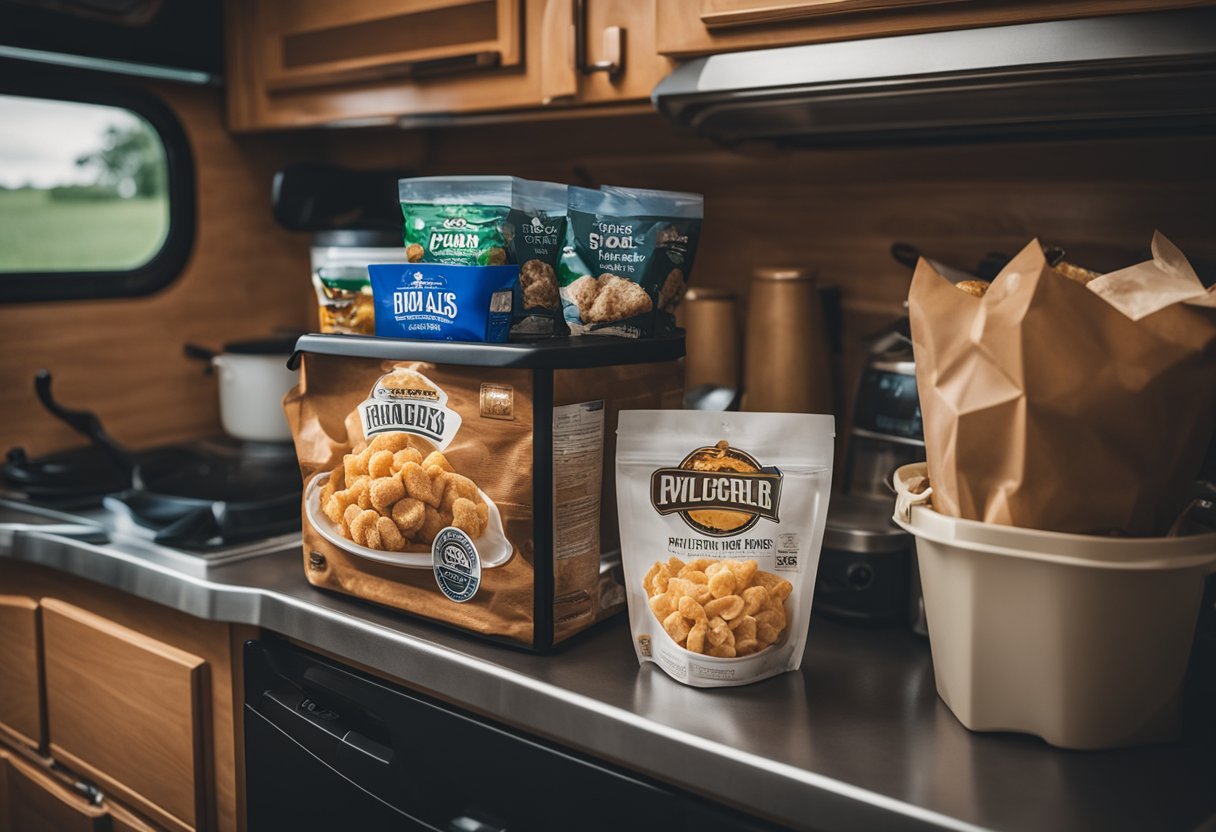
(627, 260)
(492, 221)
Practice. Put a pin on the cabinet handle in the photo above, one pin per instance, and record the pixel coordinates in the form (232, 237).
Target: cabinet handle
(613, 47)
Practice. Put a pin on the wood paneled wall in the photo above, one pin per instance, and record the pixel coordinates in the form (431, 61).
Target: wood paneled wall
(123, 358)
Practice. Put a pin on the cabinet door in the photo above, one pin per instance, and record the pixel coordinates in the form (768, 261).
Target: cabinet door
(642, 67)
(307, 44)
(700, 27)
(32, 799)
(126, 711)
(311, 62)
(20, 686)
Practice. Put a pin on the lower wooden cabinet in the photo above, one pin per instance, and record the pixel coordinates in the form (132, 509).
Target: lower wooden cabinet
(127, 712)
(137, 699)
(20, 687)
(33, 799)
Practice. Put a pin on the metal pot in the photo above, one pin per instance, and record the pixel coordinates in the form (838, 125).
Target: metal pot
(253, 378)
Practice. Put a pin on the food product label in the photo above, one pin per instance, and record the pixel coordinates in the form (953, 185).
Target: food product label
(457, 567)
(578, 453)
(407, 401)
(720, 549)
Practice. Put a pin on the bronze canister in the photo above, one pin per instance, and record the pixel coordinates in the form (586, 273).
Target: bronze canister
(787, 368)
(711, 320)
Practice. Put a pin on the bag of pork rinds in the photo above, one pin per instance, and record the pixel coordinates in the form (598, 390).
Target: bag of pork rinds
(722, 518)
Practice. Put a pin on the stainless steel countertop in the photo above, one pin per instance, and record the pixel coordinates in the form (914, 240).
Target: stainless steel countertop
(857, 740)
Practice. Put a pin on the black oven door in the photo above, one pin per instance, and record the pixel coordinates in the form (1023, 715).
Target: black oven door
(328, 747)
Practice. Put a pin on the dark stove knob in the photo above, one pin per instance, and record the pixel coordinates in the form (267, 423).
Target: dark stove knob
(859, 575)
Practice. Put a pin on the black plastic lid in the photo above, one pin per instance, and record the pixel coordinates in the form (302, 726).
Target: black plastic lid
(575, 353)
(282, 345)
(358, 238)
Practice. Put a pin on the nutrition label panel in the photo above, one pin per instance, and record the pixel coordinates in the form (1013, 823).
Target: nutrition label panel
(578, 459)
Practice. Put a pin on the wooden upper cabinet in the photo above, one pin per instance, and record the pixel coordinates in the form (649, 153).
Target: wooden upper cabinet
(310, 44)
(299, 63)
(20, 676)
(701, 27)
(128, 713)
(315, 62)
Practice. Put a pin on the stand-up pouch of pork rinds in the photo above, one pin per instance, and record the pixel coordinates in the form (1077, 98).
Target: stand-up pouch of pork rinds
(1053, 405)
(722, 518)
(627, 259)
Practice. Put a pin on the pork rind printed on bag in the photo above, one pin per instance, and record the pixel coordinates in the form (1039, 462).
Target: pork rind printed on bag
(627, 260)
(722, 518)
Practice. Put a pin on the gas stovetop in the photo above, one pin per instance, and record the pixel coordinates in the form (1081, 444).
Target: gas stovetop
(213, 501)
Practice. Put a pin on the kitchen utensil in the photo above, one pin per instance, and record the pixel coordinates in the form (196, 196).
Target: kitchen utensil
(1082, 640)
(786, 361)
(711, 323)
(253, 378)
(864, 568)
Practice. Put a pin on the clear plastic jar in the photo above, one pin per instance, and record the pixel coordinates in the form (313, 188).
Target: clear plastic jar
(339, 275)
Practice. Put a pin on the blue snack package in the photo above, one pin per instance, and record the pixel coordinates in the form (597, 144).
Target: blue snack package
(441, 302)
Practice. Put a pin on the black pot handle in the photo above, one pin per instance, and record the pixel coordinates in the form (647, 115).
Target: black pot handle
(200, 354)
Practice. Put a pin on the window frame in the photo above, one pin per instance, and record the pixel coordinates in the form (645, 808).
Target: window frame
(22, 78)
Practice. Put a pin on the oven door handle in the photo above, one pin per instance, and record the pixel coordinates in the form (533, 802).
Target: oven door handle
(328, 737)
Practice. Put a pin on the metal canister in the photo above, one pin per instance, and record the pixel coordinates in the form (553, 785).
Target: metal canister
(710, 318)
(787, 367)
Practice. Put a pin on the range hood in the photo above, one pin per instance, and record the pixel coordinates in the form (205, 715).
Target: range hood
(1120, 73)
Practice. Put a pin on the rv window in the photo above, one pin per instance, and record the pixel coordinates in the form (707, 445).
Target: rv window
(88, 198)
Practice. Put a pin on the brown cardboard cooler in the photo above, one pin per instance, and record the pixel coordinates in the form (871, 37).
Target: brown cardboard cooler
(471, 484)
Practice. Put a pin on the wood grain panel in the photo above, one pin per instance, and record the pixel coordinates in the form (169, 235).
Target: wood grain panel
(122, 358)
(33, 800)
(526, 85)
(216, 642)
(644, 66)
(20, 671)
(123, 819)
(127, 711)
(682, 32)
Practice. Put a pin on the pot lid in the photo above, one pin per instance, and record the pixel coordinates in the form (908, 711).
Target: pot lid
(358, 238)
(278, 345)
(863, 524)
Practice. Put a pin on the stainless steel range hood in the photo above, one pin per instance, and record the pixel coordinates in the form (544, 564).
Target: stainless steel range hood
(1110, 74)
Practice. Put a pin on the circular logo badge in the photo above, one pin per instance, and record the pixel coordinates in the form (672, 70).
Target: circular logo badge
(456, 564)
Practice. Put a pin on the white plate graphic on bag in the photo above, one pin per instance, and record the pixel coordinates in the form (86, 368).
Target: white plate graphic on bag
(493, 548)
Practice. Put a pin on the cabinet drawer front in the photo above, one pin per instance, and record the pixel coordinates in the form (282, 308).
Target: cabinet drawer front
(310, 45)
(126, 711)
(32, 799)
(20, 687)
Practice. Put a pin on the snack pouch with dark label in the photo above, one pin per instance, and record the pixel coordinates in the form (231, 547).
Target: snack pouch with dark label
(722, 518)
(492, 221)
(437, 302)
(627, 259)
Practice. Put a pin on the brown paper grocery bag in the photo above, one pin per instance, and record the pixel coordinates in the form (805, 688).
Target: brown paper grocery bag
(1052, 405)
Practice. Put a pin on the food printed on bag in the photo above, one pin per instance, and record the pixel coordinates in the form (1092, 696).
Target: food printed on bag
(723, 608)
(397, 488)
(722, 518)
(626, 261)
(387, 495)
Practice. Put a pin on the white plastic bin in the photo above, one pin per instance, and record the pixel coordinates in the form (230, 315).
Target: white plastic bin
(1081, 640)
